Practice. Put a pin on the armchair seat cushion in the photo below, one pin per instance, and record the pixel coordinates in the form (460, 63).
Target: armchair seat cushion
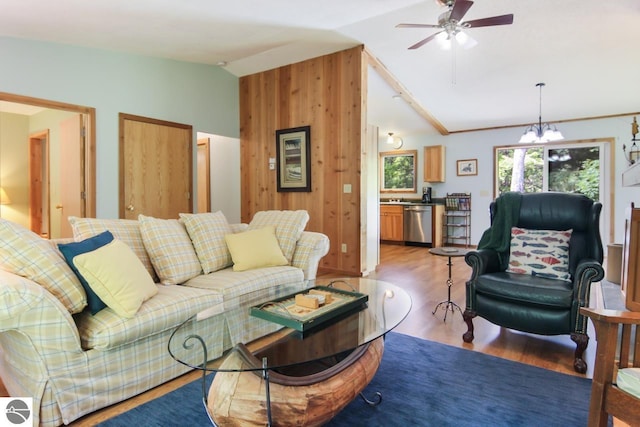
(526, 290)
(628, 379)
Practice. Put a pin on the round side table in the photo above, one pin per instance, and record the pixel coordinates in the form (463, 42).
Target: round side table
(450, 253)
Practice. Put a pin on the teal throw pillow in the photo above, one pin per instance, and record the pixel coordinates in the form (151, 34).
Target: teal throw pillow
(71, 250)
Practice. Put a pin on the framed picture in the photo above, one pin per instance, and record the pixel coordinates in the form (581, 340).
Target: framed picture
(467, 167)
(293, 147)
(398, 171)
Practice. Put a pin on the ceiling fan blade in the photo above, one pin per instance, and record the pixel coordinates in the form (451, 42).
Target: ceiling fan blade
(425, 41)
(417, 26)
(460, 8)
(488, 22)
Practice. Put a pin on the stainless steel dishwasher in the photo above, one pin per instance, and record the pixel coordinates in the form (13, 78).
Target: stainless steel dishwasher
(417, 224)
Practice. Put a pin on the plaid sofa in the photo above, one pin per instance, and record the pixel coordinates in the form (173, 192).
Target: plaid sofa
(73, 364)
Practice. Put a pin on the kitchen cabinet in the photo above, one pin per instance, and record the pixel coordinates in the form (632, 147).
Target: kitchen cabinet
(434, 163)
(392, 222)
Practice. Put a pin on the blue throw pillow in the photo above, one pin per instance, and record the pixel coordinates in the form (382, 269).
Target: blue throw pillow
(71, 250)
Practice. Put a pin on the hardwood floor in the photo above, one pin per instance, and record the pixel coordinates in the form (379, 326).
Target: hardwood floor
(424, 277)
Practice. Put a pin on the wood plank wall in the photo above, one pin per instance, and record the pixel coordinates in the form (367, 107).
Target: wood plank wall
(327, 93)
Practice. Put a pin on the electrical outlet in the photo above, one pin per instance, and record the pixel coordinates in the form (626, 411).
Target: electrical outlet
(344, 248)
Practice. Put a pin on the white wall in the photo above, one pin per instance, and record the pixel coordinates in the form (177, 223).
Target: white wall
(479, 145)
(203, 96)
(14, 166)
(225, 175)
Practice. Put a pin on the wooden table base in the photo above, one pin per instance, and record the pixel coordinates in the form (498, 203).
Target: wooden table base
(239, 398)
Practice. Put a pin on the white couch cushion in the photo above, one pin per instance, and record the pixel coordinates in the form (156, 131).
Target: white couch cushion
(170, 249)
(628, 379)
(234, 285)
(171, 306)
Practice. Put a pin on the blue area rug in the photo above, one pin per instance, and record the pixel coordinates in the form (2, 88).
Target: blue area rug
(423, 383)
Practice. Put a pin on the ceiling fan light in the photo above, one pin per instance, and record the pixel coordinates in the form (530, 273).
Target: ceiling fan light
(445, 45)
(462, 38)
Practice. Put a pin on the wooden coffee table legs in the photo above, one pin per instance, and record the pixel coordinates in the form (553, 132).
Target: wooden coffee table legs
(240, 398)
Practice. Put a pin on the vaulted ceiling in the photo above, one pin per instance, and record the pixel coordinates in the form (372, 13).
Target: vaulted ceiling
(586, 51)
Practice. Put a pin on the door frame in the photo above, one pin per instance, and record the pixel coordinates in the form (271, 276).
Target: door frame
(89, 155)
(39, 166)
(203, 177)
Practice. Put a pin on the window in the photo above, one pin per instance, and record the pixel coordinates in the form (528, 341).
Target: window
(575, 167)
(570, 168)
(398, 171)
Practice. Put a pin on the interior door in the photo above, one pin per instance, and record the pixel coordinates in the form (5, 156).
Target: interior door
(156, 164)
(204, 175)
(72, 183)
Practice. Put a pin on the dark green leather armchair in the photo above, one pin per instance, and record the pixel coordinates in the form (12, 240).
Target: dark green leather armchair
(535, 304)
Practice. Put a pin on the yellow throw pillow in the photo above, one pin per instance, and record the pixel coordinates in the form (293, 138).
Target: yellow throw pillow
(117, 276)
(289, 226)
(255, 249)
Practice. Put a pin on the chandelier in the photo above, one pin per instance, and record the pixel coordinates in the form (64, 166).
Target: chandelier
(541, 132)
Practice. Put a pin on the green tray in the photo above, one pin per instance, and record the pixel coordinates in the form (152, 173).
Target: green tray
(279, 310)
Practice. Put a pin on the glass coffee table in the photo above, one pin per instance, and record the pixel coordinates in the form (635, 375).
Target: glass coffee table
(294, 377)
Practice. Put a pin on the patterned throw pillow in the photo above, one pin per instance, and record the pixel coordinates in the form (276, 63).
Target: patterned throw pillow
(207, 231)
(127, 230)
(170, 249)
(26, 254)
(543, 253)
(289, 227)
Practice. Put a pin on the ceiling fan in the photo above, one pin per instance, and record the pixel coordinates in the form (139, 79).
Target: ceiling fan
(451, 24)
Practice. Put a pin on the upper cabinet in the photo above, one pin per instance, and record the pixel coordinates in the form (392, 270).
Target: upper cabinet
(434, 163)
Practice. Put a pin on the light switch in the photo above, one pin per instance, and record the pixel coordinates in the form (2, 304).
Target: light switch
(346, 188)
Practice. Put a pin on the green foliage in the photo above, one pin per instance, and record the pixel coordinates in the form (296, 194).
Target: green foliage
(571, 170)
(532, 176)
(399, 172)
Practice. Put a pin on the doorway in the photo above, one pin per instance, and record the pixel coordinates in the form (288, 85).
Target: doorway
(20, 210)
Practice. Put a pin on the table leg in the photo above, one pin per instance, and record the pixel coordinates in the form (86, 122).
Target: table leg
(448, 304)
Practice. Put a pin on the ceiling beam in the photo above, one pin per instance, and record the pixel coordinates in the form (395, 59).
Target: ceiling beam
(395, 84)
(524, 125)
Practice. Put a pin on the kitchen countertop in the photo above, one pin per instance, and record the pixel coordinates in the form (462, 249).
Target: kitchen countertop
(408, 203)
